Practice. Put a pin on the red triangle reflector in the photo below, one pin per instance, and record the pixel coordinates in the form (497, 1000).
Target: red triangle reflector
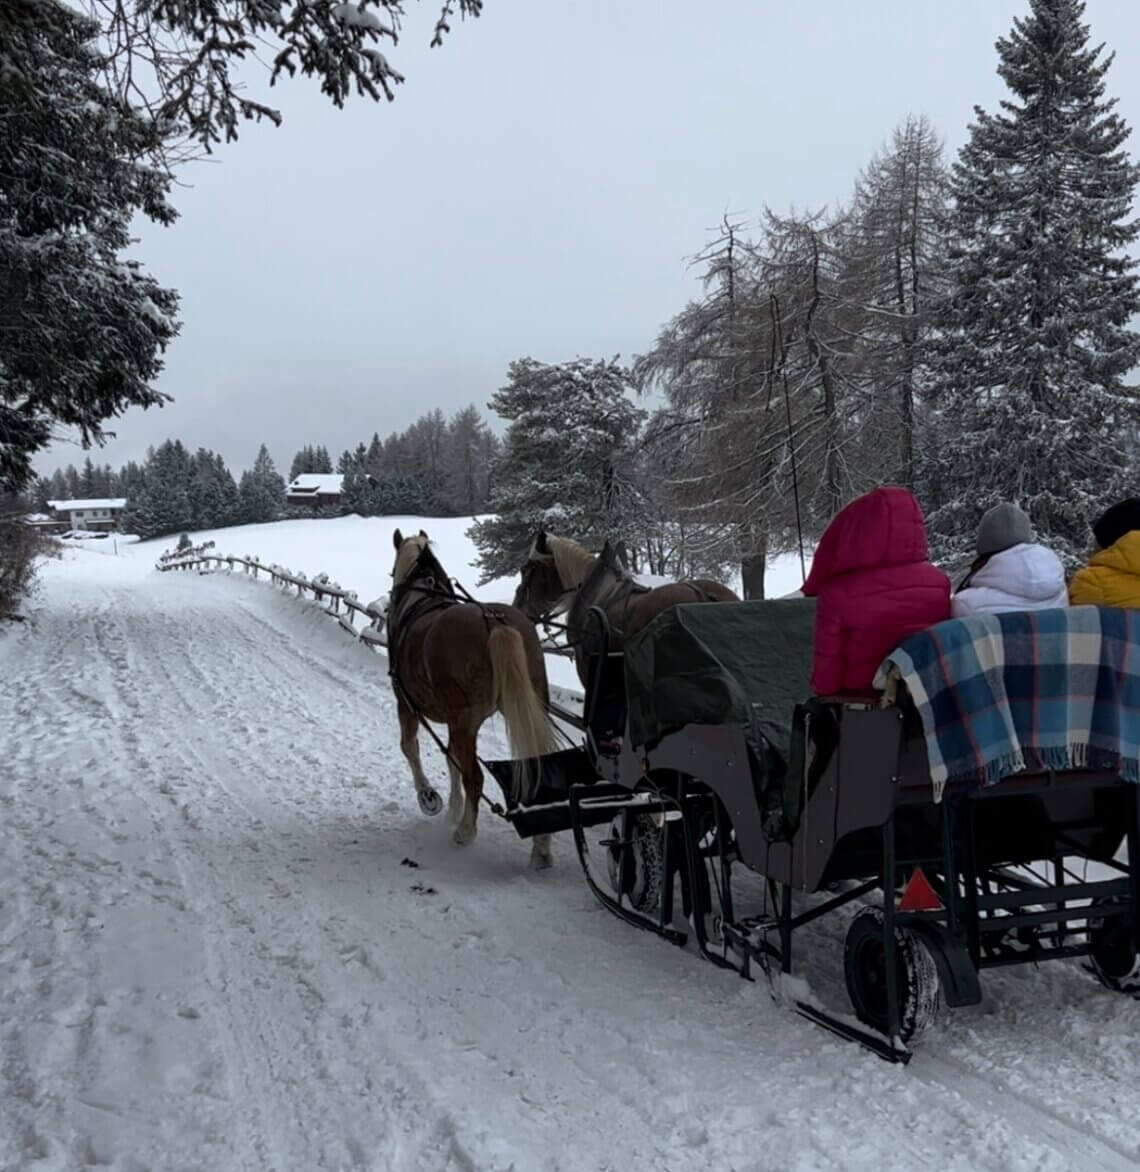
(919, 896)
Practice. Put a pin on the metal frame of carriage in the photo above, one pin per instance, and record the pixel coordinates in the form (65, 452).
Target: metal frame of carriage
(966, 890)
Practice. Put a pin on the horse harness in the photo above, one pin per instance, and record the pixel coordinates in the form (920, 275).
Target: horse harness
(433, 597)
(633, 588)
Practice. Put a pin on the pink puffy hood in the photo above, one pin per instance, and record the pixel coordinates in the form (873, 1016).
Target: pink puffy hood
(882, 529)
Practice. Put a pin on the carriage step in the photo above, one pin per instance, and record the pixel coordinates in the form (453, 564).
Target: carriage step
(749, 937)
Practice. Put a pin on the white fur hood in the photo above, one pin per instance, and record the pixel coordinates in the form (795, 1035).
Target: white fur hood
(1023, 577)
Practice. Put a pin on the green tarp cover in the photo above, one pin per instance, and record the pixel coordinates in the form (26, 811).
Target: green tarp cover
(745, 663)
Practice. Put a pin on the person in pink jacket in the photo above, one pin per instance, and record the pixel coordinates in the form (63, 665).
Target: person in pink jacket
(875, 586)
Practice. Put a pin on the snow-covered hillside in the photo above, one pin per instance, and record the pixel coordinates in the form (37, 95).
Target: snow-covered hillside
(229, 940)
(357, 552)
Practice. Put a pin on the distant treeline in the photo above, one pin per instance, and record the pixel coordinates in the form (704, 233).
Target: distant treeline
(436, 467)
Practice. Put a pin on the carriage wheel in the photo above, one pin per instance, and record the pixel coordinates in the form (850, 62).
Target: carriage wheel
(1111, 953)
(645, 861)
(864, 963)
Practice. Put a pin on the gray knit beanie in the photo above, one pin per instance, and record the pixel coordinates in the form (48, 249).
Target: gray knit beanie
(1003, 526)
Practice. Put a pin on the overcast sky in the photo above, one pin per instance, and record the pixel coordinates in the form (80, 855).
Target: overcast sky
(536, 188)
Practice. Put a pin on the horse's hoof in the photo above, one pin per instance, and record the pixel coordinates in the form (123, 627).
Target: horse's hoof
(541, 862)
(430, 801)
(463, 835)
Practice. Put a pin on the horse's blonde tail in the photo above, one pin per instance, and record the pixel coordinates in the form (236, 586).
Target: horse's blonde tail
(529, 729)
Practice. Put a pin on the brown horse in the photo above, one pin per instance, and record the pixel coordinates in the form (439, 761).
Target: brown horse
(562, 577)
(457, 663)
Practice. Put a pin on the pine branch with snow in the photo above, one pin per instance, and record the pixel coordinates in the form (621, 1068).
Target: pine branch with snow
(181, 58)
(82, 328)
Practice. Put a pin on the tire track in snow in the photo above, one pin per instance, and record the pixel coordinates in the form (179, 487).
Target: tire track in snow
(344, 934)
(1038, 1121)
(292, 1019)
(271, 1004)
(73, 806)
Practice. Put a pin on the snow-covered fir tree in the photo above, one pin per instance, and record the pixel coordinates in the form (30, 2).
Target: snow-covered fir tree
(567, 459)
(261, 493)
(131, 484)
(374, 460)
(302, 463)
(57, 486)
(214, 502)
(1030, 403)
(88, 480)
(82, 327)
(397, 492)
(164, 504)
(310, 459)
(357, 494)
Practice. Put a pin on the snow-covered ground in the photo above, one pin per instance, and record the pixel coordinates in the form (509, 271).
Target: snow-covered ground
(216, 952)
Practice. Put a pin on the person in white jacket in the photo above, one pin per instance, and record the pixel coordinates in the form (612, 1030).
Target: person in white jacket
(1011, 572)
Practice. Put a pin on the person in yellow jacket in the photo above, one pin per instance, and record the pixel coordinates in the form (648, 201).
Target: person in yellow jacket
(1112, 577)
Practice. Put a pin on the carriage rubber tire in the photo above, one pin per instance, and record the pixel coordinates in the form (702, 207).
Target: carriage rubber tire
(1111, 956)
(645, 864)
(919, 986)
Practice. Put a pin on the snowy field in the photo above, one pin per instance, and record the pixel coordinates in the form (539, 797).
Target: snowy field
(358, 553)
(216, 952)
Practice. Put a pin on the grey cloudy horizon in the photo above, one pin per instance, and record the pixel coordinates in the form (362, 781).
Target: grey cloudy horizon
(536, 189)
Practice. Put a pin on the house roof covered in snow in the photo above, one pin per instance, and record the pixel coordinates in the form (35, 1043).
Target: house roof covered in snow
(118, 502)
(311, 483)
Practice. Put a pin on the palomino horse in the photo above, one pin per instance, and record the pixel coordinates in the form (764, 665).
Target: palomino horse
(562, 577)
(457, 663)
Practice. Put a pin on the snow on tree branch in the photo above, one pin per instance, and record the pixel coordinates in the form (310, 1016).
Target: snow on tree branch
(179, 59)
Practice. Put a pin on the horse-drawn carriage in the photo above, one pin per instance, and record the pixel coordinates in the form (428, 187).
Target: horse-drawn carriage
(768, 811)
(724, 769)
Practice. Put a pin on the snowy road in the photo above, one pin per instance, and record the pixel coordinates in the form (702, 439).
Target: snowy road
(213, 956)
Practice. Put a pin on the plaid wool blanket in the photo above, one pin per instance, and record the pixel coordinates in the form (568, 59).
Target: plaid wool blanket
(1025, 692)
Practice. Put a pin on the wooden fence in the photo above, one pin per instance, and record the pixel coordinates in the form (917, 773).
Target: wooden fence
(343, 605)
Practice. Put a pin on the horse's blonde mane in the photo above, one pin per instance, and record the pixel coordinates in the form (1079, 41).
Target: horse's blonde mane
(410, 549)
(572, 561)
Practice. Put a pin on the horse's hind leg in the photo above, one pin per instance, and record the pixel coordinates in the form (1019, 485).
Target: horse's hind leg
(455, 800)
(426, 794)
(461, 749)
